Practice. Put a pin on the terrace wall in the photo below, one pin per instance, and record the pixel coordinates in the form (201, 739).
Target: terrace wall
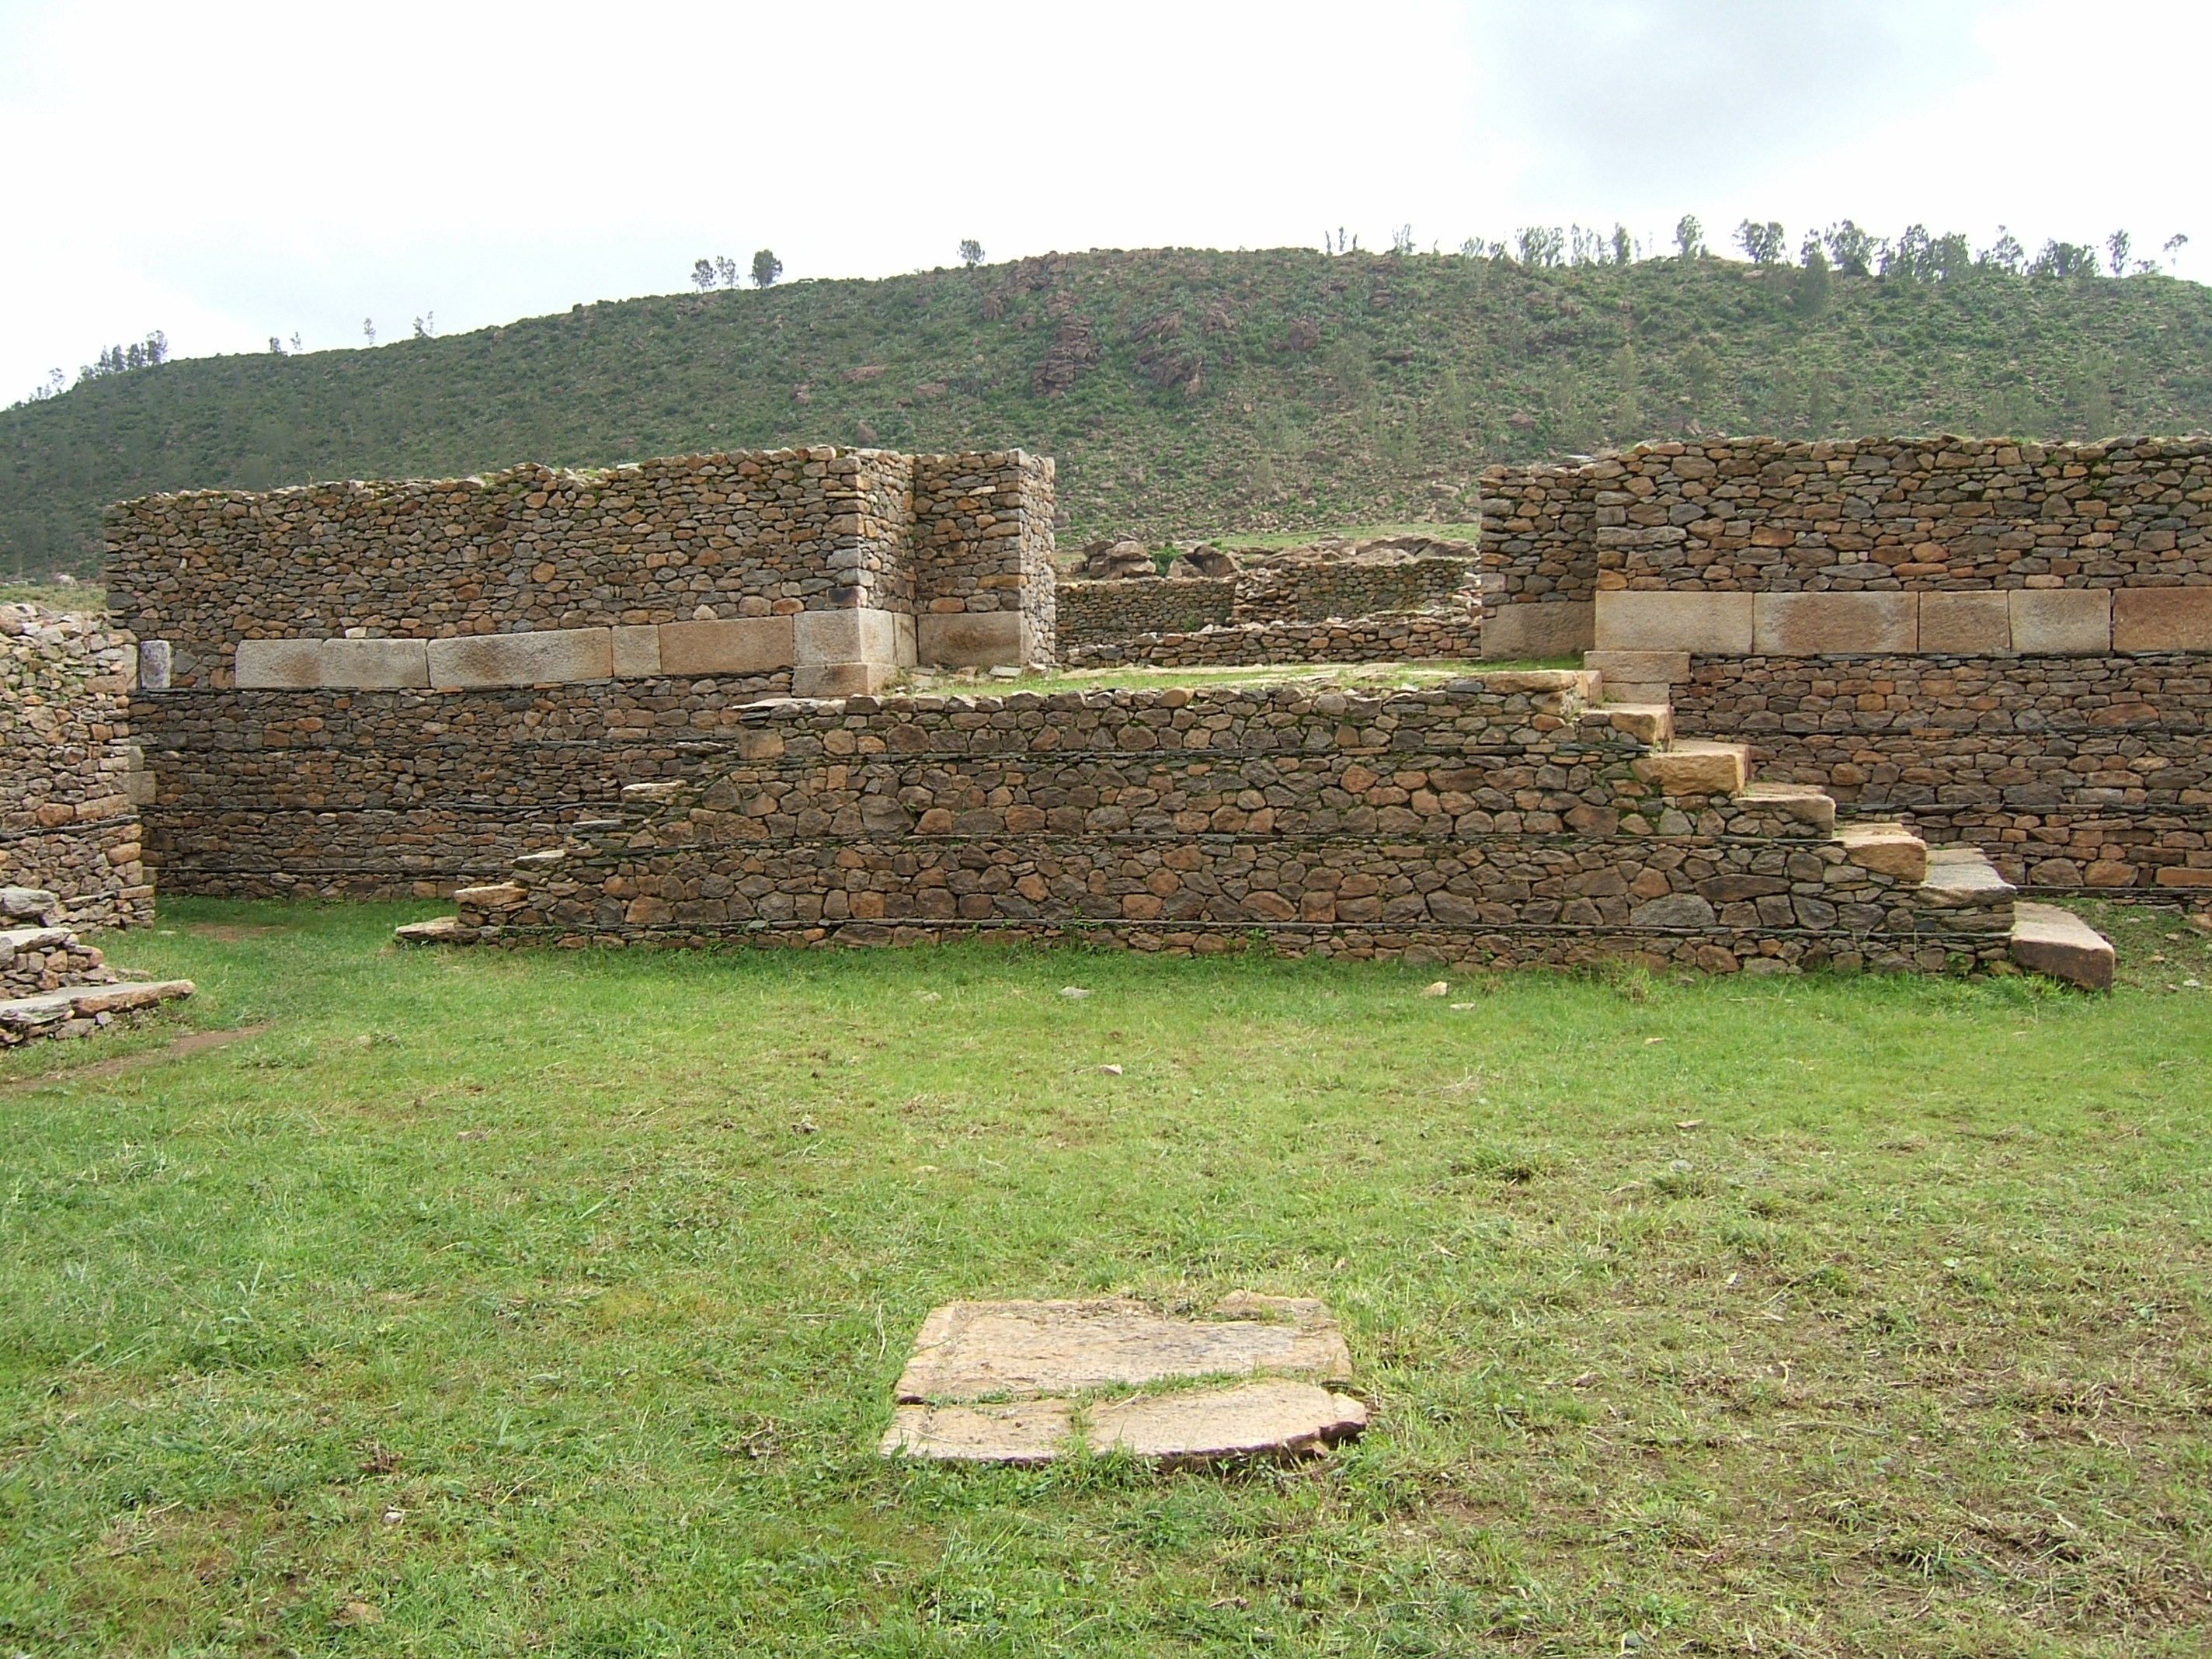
(1500, 819)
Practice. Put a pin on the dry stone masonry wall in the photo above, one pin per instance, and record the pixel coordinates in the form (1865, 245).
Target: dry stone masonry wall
(1502, 819)
(1932, 545)
(828, 568)
(70, 781)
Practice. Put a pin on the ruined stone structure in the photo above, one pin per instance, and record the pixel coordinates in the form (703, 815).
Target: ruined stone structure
(1396, 598)
(393, 688)
(813, 571)
(1499, 820)
(69, 778)
(407, 689)
(2006, 643)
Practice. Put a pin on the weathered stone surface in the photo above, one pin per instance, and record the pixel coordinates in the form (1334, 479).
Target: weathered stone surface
(1965, 624)
(2061, 621)
(2162, 619)
(1647, 722)
(844, 636)
(1674, 910)
(1833, 624)
(1253, 1420)
(1962, 876)
(1889, 849)
(137, 993)
(374, 664)
(969, 639)
(1256, 1419)
(740, 645)
(498, 896)
(1025, 1432)
(636, 650)
(841, 679)
(278, 665)
(1515, 631)
(972, 1349)
(549, 656)
(2053, 941)
(1715, 624)
(1638, 668)
(1696, 767)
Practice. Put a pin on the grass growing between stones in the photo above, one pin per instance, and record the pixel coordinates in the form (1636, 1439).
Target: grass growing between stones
(546, 1303)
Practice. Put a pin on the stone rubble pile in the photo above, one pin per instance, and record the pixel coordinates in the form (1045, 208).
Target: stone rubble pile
(54, 985)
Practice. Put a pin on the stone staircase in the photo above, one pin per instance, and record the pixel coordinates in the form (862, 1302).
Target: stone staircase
(1636, 691)
(54, 985)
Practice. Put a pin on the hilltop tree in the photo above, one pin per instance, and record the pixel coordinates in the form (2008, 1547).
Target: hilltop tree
(1690, 237)
(1810, 295)
(1766, 245)
(766, 268)
(702, 274)
(971, 252)
(1853, 251)
(2116, 247)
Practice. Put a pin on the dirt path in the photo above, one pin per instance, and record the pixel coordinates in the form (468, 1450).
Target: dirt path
(194, 1043)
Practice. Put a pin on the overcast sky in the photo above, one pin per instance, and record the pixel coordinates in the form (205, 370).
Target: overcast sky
(225, 172)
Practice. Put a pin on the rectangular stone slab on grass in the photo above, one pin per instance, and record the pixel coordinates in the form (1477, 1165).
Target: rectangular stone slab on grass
(968, 1351)
(1251, 1419)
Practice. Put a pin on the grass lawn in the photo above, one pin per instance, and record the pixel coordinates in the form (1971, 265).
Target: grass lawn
(539, 1302)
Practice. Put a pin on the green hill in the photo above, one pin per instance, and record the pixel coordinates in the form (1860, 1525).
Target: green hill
(1184, 392)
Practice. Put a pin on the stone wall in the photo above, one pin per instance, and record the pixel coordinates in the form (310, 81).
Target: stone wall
(2068, 771)
(1093, 613)
(1500, 819)
(68, 776)
(829, 567)
(1415, 636)
(1576, 557)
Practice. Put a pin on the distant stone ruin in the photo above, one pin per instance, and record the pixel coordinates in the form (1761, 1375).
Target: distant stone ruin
(1387, 598)
(1842, 704)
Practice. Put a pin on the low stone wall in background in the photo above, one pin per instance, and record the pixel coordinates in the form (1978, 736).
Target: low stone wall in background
(1318, 590)
(1420, 637)
(1765, 515)
(70, 783)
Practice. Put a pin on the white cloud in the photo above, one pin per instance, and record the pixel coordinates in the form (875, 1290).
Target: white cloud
(228, 171)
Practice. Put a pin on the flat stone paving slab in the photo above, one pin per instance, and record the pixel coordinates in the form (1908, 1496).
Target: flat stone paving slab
(968, 1351)
(1005, 1382)
(1251, 1419)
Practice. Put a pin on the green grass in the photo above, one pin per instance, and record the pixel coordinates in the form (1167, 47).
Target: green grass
(1424, 369)
(548, 1302)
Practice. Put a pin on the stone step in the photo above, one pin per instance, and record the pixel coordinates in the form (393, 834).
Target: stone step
(22, 1016)
(1640, 667)
(1889, 849)
(1804, 801)
(1695, 766)
(1652, 722)
(2049, 940)
(1637, 691)
(1963, 876)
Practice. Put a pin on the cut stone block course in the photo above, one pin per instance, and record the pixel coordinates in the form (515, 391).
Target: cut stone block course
(2162, 619)
(636, 651)
(1540, 630)
(375, 664)
(1715, 624)
(2061, 621)
(1965, 624)
(553, 655)
(278, 665)
(1833, 624)
(973, 639)
(739, 645)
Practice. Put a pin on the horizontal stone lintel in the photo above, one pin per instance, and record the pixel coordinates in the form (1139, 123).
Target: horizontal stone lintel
(2015, 622)
(855, 649)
